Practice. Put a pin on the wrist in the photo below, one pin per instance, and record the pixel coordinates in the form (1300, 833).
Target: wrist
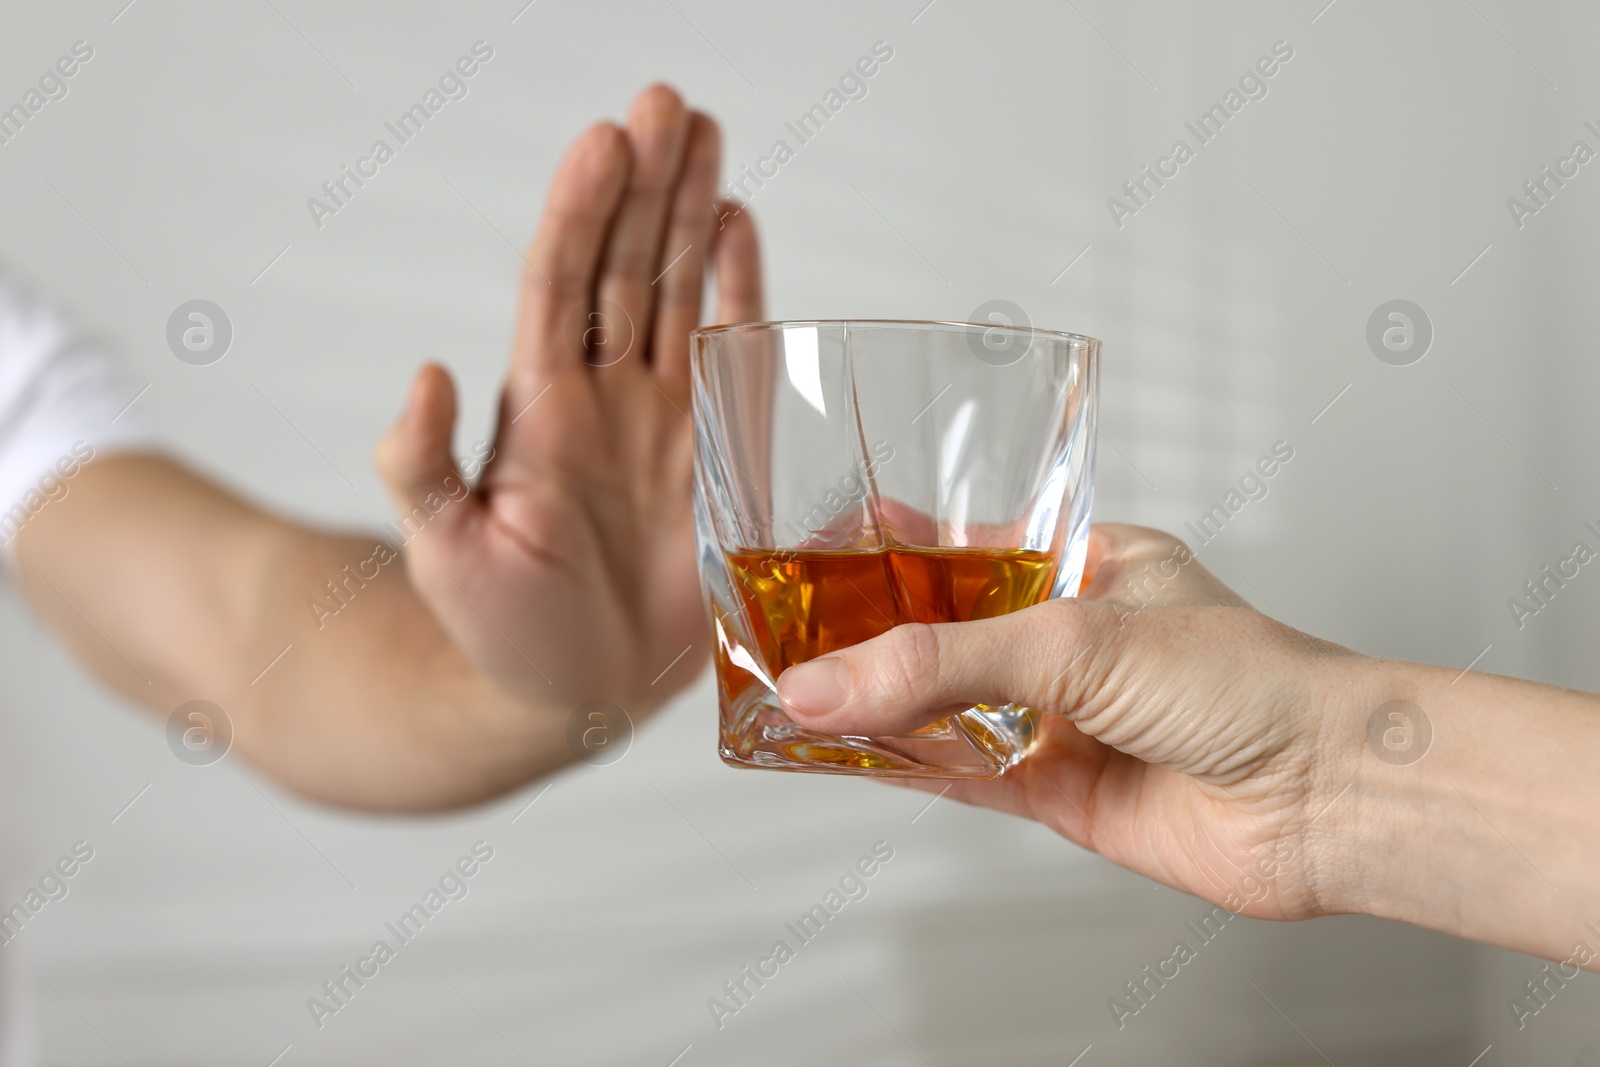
(1462, 809)
(1370, 795)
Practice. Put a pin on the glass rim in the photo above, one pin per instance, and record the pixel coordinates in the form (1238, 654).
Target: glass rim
(701, 332)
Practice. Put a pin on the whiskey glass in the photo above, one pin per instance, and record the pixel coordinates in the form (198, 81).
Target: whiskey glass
(851, 476)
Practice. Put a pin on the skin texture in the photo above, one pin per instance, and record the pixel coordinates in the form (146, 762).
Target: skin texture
(1198, 742)
(566, 575)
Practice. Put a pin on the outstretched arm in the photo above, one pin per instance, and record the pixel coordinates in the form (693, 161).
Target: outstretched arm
(171, 589)
(1194, 740)
(448, 673)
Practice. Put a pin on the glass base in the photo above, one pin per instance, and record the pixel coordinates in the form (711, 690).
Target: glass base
(981, 742)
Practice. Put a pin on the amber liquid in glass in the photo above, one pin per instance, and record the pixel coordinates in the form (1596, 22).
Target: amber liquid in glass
(803, 604)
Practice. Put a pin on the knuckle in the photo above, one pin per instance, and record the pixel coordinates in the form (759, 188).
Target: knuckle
(1175, 548)
(523, 385)
(1060, 621)
(569, 219)
(911, 657)
(681, 281)
(1067, 643)
(696, 185)
(630, 264)
(564, 289)
(1161, 545)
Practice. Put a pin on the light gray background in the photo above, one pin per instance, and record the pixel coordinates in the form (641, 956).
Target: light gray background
(1233, 310)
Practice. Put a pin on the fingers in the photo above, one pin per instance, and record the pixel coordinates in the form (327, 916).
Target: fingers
(1042, 657)
(558, 284)
(739, 287)
(620, 255)
(658, 136)
(1050, 656)
(917, 674)
(414, 457)
(685, 252)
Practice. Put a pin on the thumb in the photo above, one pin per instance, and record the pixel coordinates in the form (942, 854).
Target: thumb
(414, 457)
(1042, 657)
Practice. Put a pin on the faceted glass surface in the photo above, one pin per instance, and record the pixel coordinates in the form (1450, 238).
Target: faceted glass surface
(853, 476)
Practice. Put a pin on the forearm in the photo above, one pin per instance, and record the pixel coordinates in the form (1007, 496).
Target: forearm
(370, 703)
(172, 590)
(1490, 834)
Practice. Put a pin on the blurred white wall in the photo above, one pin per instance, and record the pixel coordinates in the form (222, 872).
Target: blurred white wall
(1233, 307)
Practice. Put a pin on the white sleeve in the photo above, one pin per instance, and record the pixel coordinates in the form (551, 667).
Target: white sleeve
(63, 401)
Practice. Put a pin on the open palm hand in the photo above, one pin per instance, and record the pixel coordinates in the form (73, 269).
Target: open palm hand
(569, 573)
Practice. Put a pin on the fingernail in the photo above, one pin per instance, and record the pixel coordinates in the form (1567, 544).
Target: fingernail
(814, 688)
